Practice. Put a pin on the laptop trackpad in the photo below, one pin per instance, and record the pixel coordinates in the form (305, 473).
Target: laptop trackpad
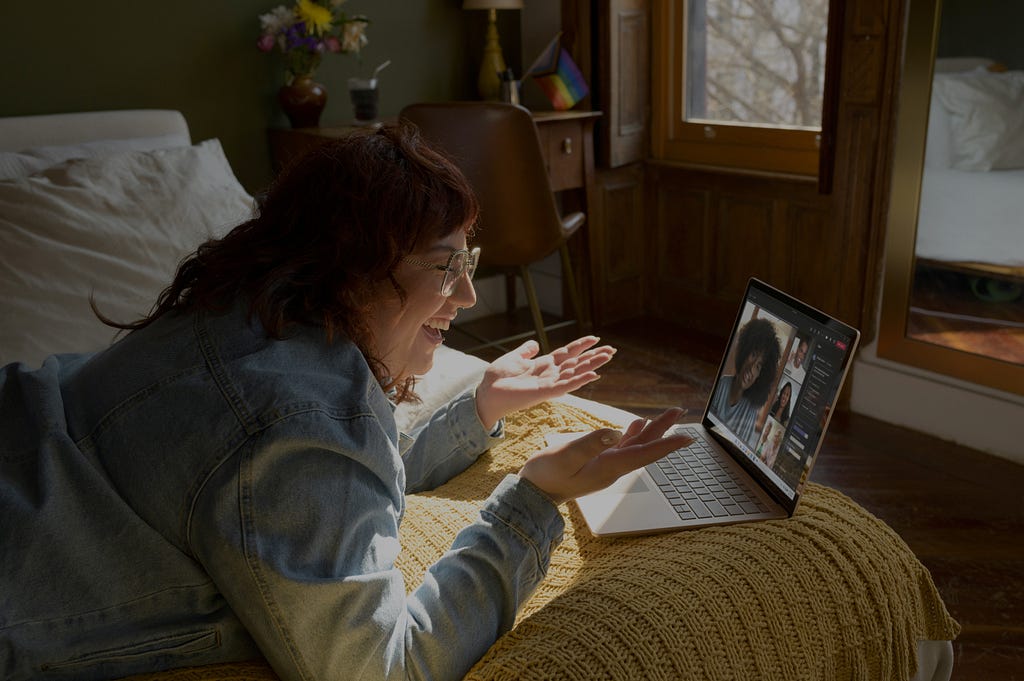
(629, 505)
(630, 483)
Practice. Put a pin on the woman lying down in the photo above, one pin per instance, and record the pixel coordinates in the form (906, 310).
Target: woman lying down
(227, 480)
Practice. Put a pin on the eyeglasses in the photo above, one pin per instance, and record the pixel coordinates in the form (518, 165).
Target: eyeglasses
(460, 262)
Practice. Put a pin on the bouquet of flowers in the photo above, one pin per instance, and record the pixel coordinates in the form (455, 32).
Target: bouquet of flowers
(308, 29)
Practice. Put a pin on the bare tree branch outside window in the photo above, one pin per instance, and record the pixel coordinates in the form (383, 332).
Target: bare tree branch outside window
(756, 62)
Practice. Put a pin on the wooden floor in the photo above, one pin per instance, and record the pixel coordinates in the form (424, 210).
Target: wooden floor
(959, 510)
(956, 310)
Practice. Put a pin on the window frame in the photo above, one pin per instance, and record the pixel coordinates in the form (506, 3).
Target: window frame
(783, 150)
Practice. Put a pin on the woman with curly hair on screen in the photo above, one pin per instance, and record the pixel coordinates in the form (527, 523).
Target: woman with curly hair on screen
(740, 395)
(780, 407)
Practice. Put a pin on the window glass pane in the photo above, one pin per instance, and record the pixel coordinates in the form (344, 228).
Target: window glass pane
(756, 62)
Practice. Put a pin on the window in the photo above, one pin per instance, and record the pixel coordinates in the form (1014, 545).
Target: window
(741, 82)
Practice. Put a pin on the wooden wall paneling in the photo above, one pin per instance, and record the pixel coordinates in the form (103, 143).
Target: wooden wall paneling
(812, 239)
(891, 15)
(743, 243)
(870, 17)
(682, 222)
(713, 231)
(830, 96)
(620, 245)
(865, 56)
(872, 54)
(855, 211)
(683, 229)
(624, 78)
(577, 37)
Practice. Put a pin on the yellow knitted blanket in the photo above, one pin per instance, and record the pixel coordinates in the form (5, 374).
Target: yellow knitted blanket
(832, 593)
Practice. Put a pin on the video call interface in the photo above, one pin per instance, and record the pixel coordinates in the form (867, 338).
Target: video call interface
(772, 404)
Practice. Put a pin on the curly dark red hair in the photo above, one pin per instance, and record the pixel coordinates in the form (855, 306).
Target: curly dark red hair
(330, 231)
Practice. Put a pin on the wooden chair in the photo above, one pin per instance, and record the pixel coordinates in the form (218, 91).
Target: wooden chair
(497, 148)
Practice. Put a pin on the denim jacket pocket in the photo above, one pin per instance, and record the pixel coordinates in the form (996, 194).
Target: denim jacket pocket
(404, 443)
(164, 648)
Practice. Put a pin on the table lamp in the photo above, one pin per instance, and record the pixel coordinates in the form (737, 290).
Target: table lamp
(488, 83)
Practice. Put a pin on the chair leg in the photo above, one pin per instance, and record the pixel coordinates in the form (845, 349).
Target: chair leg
(570, 278)
(538, 319)
(510, 293)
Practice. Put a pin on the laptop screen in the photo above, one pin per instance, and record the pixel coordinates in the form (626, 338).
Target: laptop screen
(777, 386)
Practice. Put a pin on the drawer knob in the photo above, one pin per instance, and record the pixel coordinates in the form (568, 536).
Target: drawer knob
(567, 146)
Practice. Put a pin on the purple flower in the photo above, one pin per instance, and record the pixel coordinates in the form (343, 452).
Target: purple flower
(265, 43)
(296, 38)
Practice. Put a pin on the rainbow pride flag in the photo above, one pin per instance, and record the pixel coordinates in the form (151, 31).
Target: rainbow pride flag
(558, 76)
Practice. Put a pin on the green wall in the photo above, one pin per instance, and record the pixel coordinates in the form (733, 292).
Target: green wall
(983, 28)
(199, 57)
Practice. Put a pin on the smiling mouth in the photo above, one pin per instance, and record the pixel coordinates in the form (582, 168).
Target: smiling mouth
(435, 328)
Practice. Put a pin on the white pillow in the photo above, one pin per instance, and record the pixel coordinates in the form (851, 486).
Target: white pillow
(986, 118)
(116, 227)
(954, 64)
(452, 373)
(36, 159)
(938, 149)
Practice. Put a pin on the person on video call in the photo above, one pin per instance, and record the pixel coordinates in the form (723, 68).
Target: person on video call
(741, 395)
(780, 407)
(227, 480)
(796, 367)
(768, 449)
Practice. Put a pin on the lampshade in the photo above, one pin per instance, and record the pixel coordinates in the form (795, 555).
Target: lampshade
(492, 4)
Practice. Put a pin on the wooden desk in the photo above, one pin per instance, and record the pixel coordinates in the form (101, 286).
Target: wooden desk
(288, 144)
(566, 138)
(567, 143)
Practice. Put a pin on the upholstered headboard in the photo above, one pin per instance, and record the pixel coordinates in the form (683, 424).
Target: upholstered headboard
(23, 132)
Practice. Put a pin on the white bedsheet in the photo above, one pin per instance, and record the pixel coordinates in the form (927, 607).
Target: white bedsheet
(973, 217)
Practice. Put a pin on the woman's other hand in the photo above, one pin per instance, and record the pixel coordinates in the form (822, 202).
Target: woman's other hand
(598, 459)
(519, 379)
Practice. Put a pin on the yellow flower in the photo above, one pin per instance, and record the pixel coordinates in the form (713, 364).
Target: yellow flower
(317, 17)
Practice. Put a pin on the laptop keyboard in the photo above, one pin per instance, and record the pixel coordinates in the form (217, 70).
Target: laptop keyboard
(699, 485)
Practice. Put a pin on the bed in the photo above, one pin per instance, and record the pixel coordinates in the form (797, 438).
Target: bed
(107, 204)
(971, 216)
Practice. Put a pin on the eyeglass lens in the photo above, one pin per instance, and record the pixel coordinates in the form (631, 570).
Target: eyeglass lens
(461, 263)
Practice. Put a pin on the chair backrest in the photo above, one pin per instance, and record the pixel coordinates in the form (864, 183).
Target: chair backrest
(497, 148)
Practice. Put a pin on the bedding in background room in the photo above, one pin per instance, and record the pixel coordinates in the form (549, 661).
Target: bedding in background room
(113, 227)
(971, 212)
(972, 216)
(23, 163)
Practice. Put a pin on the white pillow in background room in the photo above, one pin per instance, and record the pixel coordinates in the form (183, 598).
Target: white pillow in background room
(986, 118)
(955, 64)
(938, 151)
(115, 227)
(37, 159)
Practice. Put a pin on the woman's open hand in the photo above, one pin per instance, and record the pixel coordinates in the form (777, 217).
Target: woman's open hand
(598, 459)
(520, 379)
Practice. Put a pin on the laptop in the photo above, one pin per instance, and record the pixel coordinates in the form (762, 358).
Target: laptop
(762, 427)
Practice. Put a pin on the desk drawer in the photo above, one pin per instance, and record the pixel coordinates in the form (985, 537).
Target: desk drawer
(562, 144)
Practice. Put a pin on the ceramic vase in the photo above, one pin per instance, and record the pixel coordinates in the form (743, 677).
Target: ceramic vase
(303, 100)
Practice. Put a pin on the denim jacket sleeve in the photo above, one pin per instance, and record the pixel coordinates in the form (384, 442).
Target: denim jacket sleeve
(299, 530)
(447, 444)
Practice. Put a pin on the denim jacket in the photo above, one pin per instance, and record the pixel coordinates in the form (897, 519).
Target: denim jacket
(199, 493)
